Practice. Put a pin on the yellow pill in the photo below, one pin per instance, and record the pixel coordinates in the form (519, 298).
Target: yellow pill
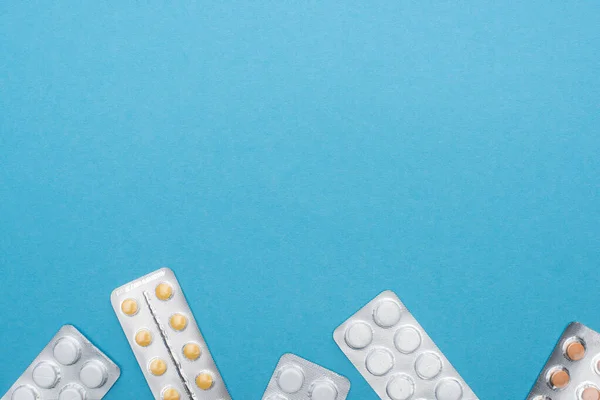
(204, 381)
(164, 291)
(129, 307)
(143, 337)
(170, 394)
(191, 351)
(158, 367)
(178, 322)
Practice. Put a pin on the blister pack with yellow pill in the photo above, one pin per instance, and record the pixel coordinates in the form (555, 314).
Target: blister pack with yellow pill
(166, 340)
(69, 368)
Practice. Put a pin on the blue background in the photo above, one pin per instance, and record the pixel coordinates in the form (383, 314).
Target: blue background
(289, 161)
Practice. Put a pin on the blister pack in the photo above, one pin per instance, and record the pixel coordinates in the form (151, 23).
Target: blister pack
(69, 368)
(573, 370)
(298, 379)
(166, 340)
(396, 356)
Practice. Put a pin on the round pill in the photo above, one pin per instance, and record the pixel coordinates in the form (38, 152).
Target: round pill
(71, 392)
(559, 379)
(170, 394)
(407, 339)
(358, 335)
(387, 314)
(178, 322)
(143, 337)
(67, 351)
(157, 367)
(379, 362)
(428, 365)
(129, 307)
(400, 387)
(191, 351)
(204, 381)
(323, 390)
(45, 375)
(590, 393)
(575, 351)
(24, 393)
(93, 374)
(290, 379)
(448, 389)
(164, 291)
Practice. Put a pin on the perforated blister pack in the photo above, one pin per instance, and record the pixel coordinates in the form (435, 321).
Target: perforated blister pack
(70, 367)
(166, 340)
(298, 379)
(573, 370)
(396, 356)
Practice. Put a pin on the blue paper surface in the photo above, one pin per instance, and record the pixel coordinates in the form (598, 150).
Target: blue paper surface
(291, 160)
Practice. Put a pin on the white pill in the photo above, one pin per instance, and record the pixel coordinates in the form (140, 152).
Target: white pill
(45, 375)
(71, 393)
(407, 339)
(428, 365)
(93, 374)
(359, 335)
(290, 379)
(323, 391)
(387, 314)
(67, 351)
(379, 362)
(400, 387)
(448, 389)
(24, 393)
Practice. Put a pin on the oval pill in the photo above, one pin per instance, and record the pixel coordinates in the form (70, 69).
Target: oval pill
(290, 379)
(143, 337)
(407, 339)
(323, 391)
(178, 322)
(590, 393)
(204, 381)
(24, 393)
(449, 389)
(157, 367)
(358, 335)
(45, 375)
(387, 314)
(575, 351)
(93, 374)
(379, 362)
(400, 387)
(129, 307)
(559, 379)
(170, 394)
(428, 365)
(191, 351)
(163, 291)
(66, 351)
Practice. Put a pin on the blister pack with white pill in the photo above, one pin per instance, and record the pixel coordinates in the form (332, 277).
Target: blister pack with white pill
(396, 356)
(298, 379)
(166, 340)
(69, 368)
(573, 370)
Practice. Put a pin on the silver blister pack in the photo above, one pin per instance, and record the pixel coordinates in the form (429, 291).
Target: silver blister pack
(166, 340)
(298, 379)
(573, 370)
(69, 368)
(396, 356)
